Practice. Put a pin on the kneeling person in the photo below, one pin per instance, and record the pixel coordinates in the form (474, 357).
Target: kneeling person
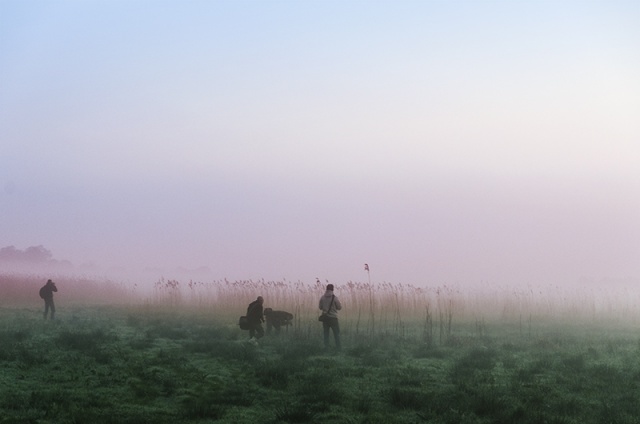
(277, 319)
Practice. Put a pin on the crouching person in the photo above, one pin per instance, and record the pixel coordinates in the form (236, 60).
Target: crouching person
(277, 319)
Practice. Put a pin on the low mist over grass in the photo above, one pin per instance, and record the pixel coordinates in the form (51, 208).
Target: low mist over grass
(370, 307)
(18, 289)
(174, 353)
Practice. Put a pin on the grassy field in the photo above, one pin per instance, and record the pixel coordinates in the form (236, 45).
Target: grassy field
(182, 358)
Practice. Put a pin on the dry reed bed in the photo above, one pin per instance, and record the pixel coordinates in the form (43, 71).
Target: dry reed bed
(368, 308)
(378, 308)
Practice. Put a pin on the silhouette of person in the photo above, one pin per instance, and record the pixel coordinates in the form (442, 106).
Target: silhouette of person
(330, 306)
(277, 319)
(255, 318)
(46, 293)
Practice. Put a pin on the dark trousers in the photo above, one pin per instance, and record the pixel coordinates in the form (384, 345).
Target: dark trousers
(333, 325)
(256, 330)
(48, 305)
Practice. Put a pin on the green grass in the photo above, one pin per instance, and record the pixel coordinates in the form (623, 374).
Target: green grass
(145, 365)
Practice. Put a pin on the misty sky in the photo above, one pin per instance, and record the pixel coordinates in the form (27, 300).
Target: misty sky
(439, 142)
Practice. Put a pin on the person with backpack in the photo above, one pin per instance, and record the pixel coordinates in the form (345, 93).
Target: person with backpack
(330, 305)
(46, 293)
(255, 319)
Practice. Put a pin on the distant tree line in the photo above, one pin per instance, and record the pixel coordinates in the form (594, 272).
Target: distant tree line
(33, 255)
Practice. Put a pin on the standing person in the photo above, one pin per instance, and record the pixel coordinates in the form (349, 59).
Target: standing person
(330, 305)
(46, 293)
(255, 318)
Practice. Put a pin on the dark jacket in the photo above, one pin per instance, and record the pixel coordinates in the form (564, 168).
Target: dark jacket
(278, 317)
(254, 312)
(46, 292)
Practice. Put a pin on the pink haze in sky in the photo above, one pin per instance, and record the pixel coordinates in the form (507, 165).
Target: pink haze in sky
(438, 142)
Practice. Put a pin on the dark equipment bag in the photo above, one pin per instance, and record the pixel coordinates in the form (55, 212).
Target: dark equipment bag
(244, 323)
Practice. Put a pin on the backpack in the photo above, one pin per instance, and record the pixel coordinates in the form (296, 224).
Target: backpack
(42, 291)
